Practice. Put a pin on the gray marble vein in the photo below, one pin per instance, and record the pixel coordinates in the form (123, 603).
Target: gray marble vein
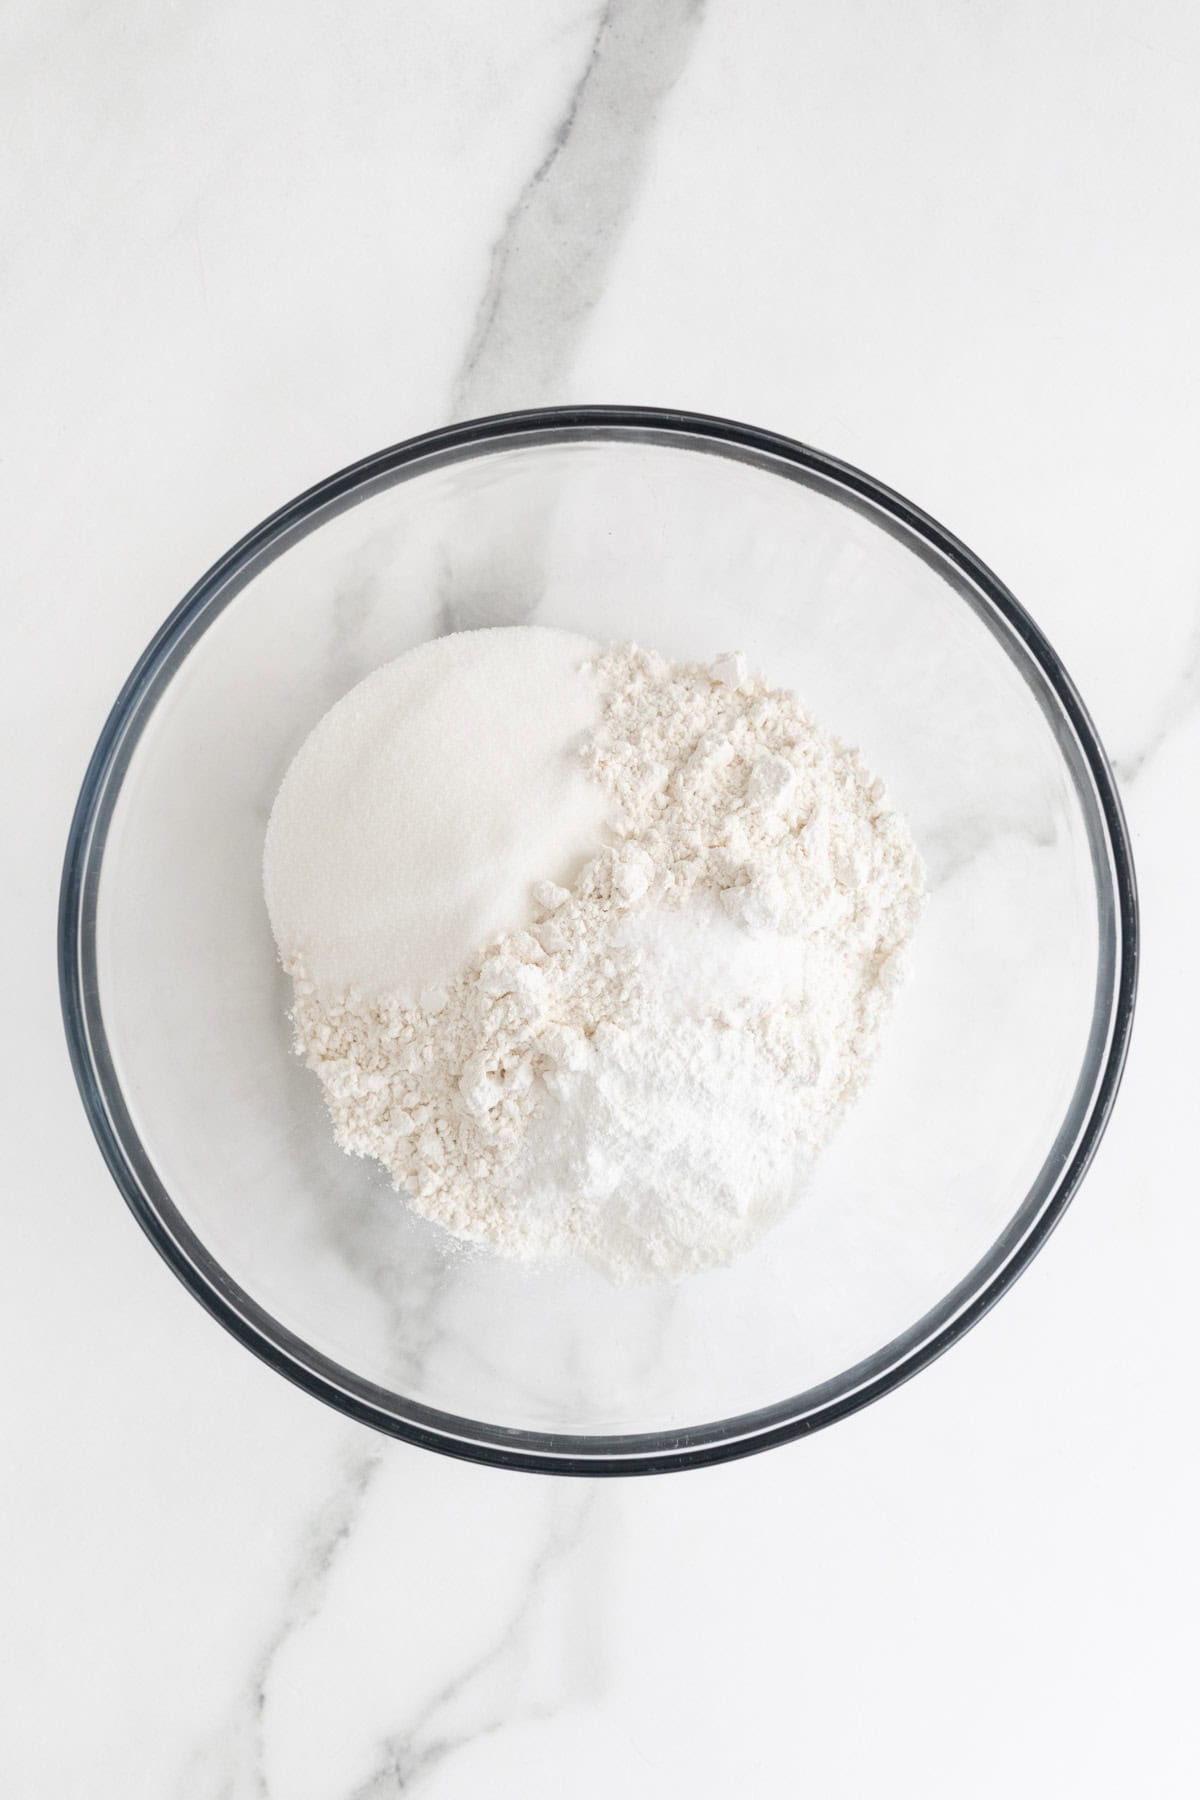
(546, 273)
(1182, 699)
(222, 1769)
(549, 263)
(425, 1742)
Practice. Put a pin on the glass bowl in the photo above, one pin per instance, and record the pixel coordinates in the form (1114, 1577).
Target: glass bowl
(696, 536)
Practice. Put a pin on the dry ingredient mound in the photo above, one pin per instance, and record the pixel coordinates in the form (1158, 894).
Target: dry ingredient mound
(643, 1075)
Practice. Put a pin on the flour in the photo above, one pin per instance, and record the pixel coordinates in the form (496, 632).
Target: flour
(643, 1068)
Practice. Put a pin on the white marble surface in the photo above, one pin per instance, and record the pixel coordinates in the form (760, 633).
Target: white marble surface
(959, 245)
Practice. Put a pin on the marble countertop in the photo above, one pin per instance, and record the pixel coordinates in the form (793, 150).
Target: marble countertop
(956, 245)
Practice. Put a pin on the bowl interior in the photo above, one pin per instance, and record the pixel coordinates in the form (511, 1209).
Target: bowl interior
(694, 547)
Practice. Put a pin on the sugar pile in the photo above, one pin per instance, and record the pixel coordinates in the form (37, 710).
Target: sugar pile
(640, 1061)
(403, 832)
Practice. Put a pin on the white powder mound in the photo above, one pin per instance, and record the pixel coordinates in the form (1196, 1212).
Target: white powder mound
(642, 1074)
(402, 834)
(675, 1142)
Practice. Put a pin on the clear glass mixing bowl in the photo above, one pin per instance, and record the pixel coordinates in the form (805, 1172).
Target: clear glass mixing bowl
(696, 536)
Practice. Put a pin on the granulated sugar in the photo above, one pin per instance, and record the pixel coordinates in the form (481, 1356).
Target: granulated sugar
(639, 1062)
(403, 833)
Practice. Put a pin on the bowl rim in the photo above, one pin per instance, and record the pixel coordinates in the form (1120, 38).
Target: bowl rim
(561, 1452)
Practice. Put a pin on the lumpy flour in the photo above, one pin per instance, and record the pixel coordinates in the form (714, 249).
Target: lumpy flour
(589, 949)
